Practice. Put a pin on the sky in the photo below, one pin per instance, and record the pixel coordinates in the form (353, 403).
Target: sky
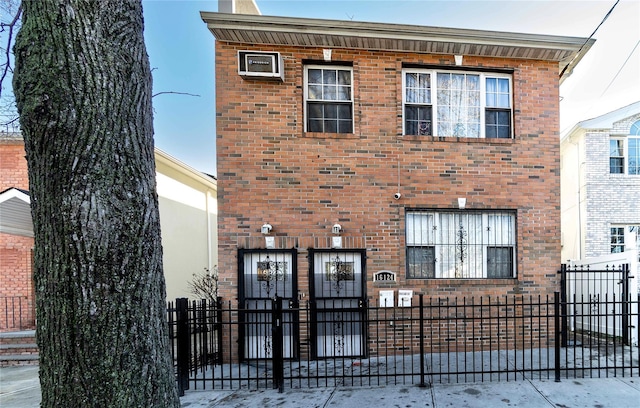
(181, 51)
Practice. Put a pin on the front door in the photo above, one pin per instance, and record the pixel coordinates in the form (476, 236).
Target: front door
(338, 299)
(264, 276)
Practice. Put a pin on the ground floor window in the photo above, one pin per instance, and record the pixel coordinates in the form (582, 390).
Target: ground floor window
(460, 244)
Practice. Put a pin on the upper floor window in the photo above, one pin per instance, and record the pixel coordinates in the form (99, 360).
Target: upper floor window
(328, 99)
(624, 153)
(616, 156)
(442, 244)
(458, 104)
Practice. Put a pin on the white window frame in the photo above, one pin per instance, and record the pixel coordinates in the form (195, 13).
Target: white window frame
(623, 156)
(434, 102)
(626, 155)
(445, 267)
(306, 93)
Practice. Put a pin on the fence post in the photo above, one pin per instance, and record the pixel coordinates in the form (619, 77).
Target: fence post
(218, 327)
(563, 304)
(626, 338)
(421, 325)
(182, 343)
(556, 317)
(277, 339)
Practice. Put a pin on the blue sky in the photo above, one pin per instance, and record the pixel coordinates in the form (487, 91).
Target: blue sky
(181, 50)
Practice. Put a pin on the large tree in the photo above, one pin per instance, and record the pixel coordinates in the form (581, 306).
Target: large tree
(83, 89)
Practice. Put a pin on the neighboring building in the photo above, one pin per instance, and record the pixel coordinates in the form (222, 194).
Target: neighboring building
(187, 203)
(601, 185)
(17, 298)
(357, 159)
(188, 221)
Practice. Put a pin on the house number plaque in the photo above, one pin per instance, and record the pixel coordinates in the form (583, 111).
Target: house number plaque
(384, 276)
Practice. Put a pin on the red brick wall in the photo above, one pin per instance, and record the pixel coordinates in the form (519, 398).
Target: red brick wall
(13, 165)
(269, 170)
(17, 301)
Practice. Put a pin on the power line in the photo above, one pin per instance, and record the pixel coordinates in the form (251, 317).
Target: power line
(621, 67)
(587, 40)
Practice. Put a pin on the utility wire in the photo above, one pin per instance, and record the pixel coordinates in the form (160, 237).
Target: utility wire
(623, 65)
(590, 37)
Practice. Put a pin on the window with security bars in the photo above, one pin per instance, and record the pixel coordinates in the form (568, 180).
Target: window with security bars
(458, 104)
(328, 99)
(460, 245)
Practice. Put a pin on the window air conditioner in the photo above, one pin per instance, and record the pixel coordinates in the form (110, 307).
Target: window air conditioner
(261, 65)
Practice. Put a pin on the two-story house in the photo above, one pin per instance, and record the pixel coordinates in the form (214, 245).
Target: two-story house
(601, 186)
(361, 162)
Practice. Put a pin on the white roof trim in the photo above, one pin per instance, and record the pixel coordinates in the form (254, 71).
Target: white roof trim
(294, 31)
(15, 213)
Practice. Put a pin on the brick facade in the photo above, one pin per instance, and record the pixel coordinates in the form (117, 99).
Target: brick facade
(270, 170)
(17, 298)
(611, 199)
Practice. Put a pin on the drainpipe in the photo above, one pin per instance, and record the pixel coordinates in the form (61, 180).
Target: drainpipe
(209, 231)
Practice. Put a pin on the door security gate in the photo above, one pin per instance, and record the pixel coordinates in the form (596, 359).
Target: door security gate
(265, 275)
(338, 303)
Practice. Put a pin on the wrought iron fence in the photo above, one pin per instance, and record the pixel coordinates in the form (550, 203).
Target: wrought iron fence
(16, 313)
(434, 340)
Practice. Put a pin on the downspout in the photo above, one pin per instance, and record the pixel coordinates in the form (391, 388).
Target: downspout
(209, 232)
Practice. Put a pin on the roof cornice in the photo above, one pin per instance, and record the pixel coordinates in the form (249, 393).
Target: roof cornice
(294, 31)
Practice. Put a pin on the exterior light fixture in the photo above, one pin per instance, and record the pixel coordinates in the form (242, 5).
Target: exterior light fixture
(266, 229)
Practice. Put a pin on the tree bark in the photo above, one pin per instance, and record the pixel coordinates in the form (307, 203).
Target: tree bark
(83, 89)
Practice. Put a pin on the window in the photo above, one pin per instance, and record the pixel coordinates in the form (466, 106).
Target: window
(624, 153)
(458, 104)
(616, 156)
(633, 164)
(617, 240)
(463, 245)
(623, 235)
(328, 99)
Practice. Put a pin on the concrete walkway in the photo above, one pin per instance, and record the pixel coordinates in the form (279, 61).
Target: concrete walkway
(19, 388)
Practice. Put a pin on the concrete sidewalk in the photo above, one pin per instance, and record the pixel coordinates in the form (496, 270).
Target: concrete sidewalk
(19, 388)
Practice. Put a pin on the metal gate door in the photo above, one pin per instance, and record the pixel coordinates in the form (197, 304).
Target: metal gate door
(265, 275)
(338, 296)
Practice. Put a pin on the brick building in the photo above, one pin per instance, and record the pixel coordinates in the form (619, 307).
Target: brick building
(17, 302)
(601, 186)
(187, 205)
(367, 162)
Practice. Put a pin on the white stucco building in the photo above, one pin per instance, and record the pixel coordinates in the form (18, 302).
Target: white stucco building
(187, 201)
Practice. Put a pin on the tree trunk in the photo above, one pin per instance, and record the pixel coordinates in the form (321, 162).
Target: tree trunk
(83, 89)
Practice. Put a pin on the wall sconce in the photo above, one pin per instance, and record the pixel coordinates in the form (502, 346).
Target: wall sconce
(266, 229)
(462, 202)
(336, 229)
(458, 59)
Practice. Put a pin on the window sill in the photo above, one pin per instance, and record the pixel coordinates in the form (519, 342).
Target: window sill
(467, 281)
(318, 135)
(452, 139)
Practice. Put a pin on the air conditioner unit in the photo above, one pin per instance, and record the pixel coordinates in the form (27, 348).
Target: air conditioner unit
(261, 65)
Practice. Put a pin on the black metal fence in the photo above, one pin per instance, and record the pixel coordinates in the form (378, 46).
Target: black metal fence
(16, 313)
(434, 340)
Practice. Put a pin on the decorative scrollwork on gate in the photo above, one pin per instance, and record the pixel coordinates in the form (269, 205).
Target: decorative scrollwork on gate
(269, 273)
(461, 250)
(338, 272)
(338, 334)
